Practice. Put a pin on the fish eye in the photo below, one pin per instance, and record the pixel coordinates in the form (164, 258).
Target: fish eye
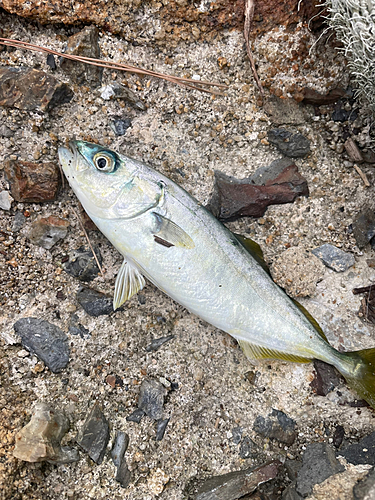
(104, 162)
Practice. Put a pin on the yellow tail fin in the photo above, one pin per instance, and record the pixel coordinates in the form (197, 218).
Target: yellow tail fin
(361, 377)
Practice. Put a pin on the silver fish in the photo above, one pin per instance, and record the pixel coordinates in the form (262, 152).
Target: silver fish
(166, 236)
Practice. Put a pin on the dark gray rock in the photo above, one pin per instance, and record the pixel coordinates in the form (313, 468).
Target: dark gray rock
(334, 257)
(120, 126)
(5, 131)
(326, 378)
(319, 463)
(123, 474)
(19, 221)
(75, 328)
(93, 437)
(118, 91)
(157, 343)
(151, 398)
(94, 303)
(365, 488)
(292, 145)
(277, 426)
(236, 484)
(119, 447)
(45, 340)
(292, 468)
(82, 264)
(161, 426)
(136, 416)
(338, 436)
(51, 61)
(362, 452)
(236, 435)
(364, 228)
(290, 493)
(248, 448)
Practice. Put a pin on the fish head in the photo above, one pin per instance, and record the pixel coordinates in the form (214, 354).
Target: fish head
(105, 182)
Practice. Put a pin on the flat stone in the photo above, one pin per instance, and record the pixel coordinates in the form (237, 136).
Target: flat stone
(119, 447)
(334, 257)
(364, 228)
(276, 184)
(365, 488)
(84, 43)
(120, 126)
(45, 340)
(94, 303)
(161, 426)
(237, 484)
(362, 452)
(151, 398)
(18, 221)
(311, 96)
(118, 91)
(157, 343)
(32, 182)
(5, 200)
(285, 111)
(123, 474)
(40, 439)
(319, 463)
(277, 426)
(248, 449)
(326, 378)
(31, 90)
(136, 416)
(292, 145)
(93, 437)
(47, 231)
(82, 264)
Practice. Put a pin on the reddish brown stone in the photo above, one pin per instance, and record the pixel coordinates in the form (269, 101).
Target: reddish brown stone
(311, 96)
(32, 182)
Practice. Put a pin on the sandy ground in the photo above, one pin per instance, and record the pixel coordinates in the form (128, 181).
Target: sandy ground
(186, 135)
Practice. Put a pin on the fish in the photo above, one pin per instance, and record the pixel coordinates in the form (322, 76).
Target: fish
(166, 236)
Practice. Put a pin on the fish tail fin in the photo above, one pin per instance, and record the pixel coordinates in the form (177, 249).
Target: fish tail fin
(358, 369)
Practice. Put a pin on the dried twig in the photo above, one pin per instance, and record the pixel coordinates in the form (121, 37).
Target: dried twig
(362, 175)
(186, 82)
(88, 241)
(249, 14)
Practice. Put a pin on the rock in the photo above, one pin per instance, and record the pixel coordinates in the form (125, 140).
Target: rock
(297, 271)
(45, 340)
(151, 398)
(334, 257)
(157, 343)
(5, 131)
(75, 328)
(119, 447)
(311, 96)
(5, 200)
(31, 90)
(290, 493)
(157, 480)
(248, 448)
(353, 151)
(276, 184)
(338, 436)
(47, 231)
(118, 91)
(85, 44)
(319, 463)
(340, 114)
(284, 111)
(236, 435)
(161, 426)
(292, 145)
(326, 378)
(365, 488)
(18, 221)
(94, 303)
(292, 468)
(123, 474)
(364, 227)
(120, 126)
(51, 62)
(93, 436)
(237, 484)
(362, 452)
(136, 416)
(82, 265)
(277, 426)
(32, 182)
(40, 439)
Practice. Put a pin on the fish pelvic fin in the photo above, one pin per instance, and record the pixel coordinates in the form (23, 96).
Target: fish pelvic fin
(129, 281)
(253, 351)
(361, 377)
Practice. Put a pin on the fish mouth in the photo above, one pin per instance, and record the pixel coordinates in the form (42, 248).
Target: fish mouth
(70, 158)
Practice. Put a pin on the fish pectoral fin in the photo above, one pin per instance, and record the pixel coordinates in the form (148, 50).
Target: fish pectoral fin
(169, 234)
(129, 281)
(253, 351)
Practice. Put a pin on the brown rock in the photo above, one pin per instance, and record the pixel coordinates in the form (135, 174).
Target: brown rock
(311, 96)
(31, 89)
(274, 185)
(45, 232)
(32, 182)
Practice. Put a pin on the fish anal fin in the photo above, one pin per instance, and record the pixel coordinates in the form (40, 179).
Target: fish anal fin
(170, 233)
(129, 281)
(253, 351)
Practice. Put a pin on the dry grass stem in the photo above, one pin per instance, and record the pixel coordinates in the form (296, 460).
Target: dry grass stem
(249, 14)
(362, 175)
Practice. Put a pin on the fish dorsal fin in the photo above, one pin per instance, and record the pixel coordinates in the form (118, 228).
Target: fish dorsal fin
(129, 281)
(310, 318)
(254, 250)
(169, 234)
(253, 351)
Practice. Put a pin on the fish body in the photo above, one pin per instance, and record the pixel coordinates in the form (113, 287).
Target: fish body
(166, 236)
